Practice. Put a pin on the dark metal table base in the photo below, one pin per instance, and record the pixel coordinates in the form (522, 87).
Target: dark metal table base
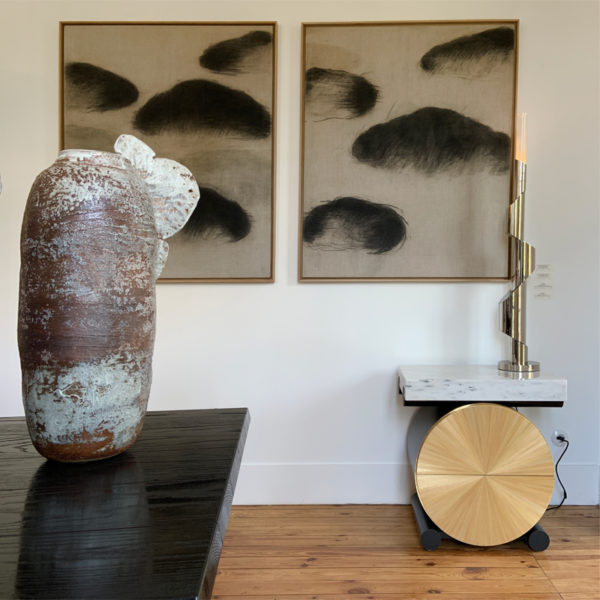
(431, 536)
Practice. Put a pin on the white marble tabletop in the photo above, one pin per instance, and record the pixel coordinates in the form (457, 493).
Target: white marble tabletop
(421, 385)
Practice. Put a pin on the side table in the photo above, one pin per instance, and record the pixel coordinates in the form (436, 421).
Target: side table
(148, 523)
(483, 472)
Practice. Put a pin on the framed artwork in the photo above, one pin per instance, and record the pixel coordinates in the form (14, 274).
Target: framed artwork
(407, 135)
(202, 94)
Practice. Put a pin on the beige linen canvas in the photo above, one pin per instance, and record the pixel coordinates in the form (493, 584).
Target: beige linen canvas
(200, 94)
(407, 145)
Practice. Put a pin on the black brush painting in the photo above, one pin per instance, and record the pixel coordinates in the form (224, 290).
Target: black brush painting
(335, 93)
(199, 104)
(406, 150)
(227, 56)
(217, 217)
(350, 223)
(96, 89)
(432, 139)
(492, 45)
(202, 94)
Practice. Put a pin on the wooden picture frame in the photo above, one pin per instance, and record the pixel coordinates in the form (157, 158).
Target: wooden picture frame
(406, 150)
(203, 94)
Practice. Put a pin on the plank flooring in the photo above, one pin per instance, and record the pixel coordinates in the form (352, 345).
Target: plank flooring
(373, 551)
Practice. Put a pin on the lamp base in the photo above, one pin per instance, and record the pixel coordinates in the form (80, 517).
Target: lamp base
(513, 367)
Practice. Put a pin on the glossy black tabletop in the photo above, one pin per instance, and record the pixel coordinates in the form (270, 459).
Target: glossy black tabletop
(148, 523)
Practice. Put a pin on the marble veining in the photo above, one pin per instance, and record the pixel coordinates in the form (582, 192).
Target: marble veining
(476, 383)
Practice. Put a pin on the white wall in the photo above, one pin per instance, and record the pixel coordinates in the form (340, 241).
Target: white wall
(316, 363)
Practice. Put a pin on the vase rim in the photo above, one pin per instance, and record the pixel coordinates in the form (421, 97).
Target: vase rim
(94, 156)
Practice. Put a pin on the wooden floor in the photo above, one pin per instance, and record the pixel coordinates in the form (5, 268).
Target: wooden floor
(354, 551)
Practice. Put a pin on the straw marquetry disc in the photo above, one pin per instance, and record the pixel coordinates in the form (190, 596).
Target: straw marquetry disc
(484, 474)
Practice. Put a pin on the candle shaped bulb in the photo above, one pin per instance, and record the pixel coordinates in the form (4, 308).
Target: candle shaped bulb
(521, 144)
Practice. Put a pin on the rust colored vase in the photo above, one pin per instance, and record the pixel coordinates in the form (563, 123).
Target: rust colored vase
(92, 246)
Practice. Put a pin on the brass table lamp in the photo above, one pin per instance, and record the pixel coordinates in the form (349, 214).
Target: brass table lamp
(522, 255)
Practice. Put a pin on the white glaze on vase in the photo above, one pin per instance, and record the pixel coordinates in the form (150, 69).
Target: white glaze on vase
(92, 247)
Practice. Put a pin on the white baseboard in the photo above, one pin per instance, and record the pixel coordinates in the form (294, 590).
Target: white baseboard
(582, 483)
(370, 483)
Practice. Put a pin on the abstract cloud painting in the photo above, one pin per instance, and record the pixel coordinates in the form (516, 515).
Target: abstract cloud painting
(407, 137)
(202, 94)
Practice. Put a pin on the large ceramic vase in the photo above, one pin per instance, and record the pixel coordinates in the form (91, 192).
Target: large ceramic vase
(92, 246)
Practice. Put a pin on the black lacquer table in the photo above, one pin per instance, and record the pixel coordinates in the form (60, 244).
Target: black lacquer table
(148, 523)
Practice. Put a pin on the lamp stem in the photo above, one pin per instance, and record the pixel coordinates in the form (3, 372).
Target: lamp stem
(513, 305)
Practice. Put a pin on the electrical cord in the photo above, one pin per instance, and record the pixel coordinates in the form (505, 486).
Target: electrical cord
(566, 441)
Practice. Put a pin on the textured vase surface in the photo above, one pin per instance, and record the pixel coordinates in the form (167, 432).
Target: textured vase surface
(91, 249)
